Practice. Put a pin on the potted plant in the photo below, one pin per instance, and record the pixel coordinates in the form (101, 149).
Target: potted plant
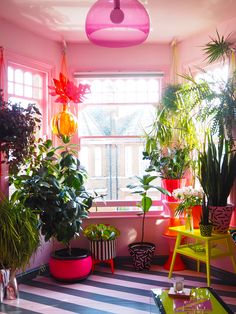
(205, 223)
(53, 185)
(18, 128)
(142, 252)
(217, 172)
(190, 203)
(102, 242)
(19, 240)
(172, 138)
(171, 165)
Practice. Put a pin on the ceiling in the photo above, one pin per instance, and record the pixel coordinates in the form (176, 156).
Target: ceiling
(65, 19)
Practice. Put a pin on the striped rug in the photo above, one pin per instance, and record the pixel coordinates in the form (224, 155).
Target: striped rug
(125, 291)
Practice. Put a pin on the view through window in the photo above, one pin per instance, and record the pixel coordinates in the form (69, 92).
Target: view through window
(112, 121)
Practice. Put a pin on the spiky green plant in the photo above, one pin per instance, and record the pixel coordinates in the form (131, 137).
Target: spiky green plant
(219, 48)
(204, 219)
(217, 171)
(19, 234)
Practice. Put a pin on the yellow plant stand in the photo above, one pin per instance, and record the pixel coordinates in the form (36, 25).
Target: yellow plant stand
(202, 248)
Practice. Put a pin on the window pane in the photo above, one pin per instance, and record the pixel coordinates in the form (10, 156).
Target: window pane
(111, 128)
(28, 91)
(115, 120)
(10, 74)
(19, 89)
(19, 76)
(112, 164)
(28, 78)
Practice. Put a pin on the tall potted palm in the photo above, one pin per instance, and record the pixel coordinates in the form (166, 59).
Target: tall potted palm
(172, 138)
(53, 185)
(142, 252)
(217, 172)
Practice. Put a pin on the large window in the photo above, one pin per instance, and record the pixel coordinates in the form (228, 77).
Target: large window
(112, 122)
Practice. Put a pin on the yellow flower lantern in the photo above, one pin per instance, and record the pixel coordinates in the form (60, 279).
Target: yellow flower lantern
(64, 124)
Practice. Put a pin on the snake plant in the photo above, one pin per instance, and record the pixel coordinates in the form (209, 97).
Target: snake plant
(217, 171)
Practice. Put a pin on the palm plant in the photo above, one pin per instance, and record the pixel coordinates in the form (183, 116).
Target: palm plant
(219, 48)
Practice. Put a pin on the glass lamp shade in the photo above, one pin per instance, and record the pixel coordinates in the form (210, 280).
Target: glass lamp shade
(64, 123)
(117, 23)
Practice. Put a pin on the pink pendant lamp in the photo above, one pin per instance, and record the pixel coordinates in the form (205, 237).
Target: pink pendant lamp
(117, 23)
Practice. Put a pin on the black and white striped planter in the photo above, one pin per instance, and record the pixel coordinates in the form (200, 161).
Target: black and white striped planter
(103, 250)
(142, 253)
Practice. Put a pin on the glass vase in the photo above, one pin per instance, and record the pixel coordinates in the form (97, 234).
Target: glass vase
(189, 220)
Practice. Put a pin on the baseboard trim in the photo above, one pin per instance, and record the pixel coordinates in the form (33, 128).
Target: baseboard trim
(32, 273)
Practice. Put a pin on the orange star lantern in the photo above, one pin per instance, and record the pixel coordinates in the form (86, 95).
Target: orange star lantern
(64, 124)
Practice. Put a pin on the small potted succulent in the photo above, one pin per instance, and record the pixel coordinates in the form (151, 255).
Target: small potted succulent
(142, 252)
(205, 224)
(102, 242)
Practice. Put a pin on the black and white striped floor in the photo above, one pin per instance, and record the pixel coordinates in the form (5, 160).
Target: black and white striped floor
(126, 291)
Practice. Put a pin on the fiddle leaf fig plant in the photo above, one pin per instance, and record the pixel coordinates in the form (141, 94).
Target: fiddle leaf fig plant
(145, 183)
(54, 186)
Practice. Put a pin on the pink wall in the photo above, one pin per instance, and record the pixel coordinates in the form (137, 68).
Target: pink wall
(130, 232)
(145, 57)
(190, 50)
(28, 44)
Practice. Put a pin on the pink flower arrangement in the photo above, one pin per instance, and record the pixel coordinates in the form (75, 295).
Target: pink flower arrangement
(67, 91)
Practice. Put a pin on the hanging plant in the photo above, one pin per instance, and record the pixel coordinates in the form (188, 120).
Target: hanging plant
(219, 48)
(18, 128)
(64, 124)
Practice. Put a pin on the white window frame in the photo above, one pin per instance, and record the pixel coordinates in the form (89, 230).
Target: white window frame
(81, 77)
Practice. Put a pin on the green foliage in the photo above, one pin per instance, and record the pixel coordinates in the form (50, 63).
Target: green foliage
(54, 186)
(101, 232)
(170, 97)
(170, 164)
(142, 189)
(18, 129)
(204, 219)
(217, 171)
(19, 234)
(219, 48)
(215, 104)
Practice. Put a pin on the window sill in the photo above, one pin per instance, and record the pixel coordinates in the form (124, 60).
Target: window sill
(130, 214)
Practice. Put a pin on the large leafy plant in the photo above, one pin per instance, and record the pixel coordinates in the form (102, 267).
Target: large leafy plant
(169, 163)
(217, 170)
(145, 183)
(54, 186)
(18, 128)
